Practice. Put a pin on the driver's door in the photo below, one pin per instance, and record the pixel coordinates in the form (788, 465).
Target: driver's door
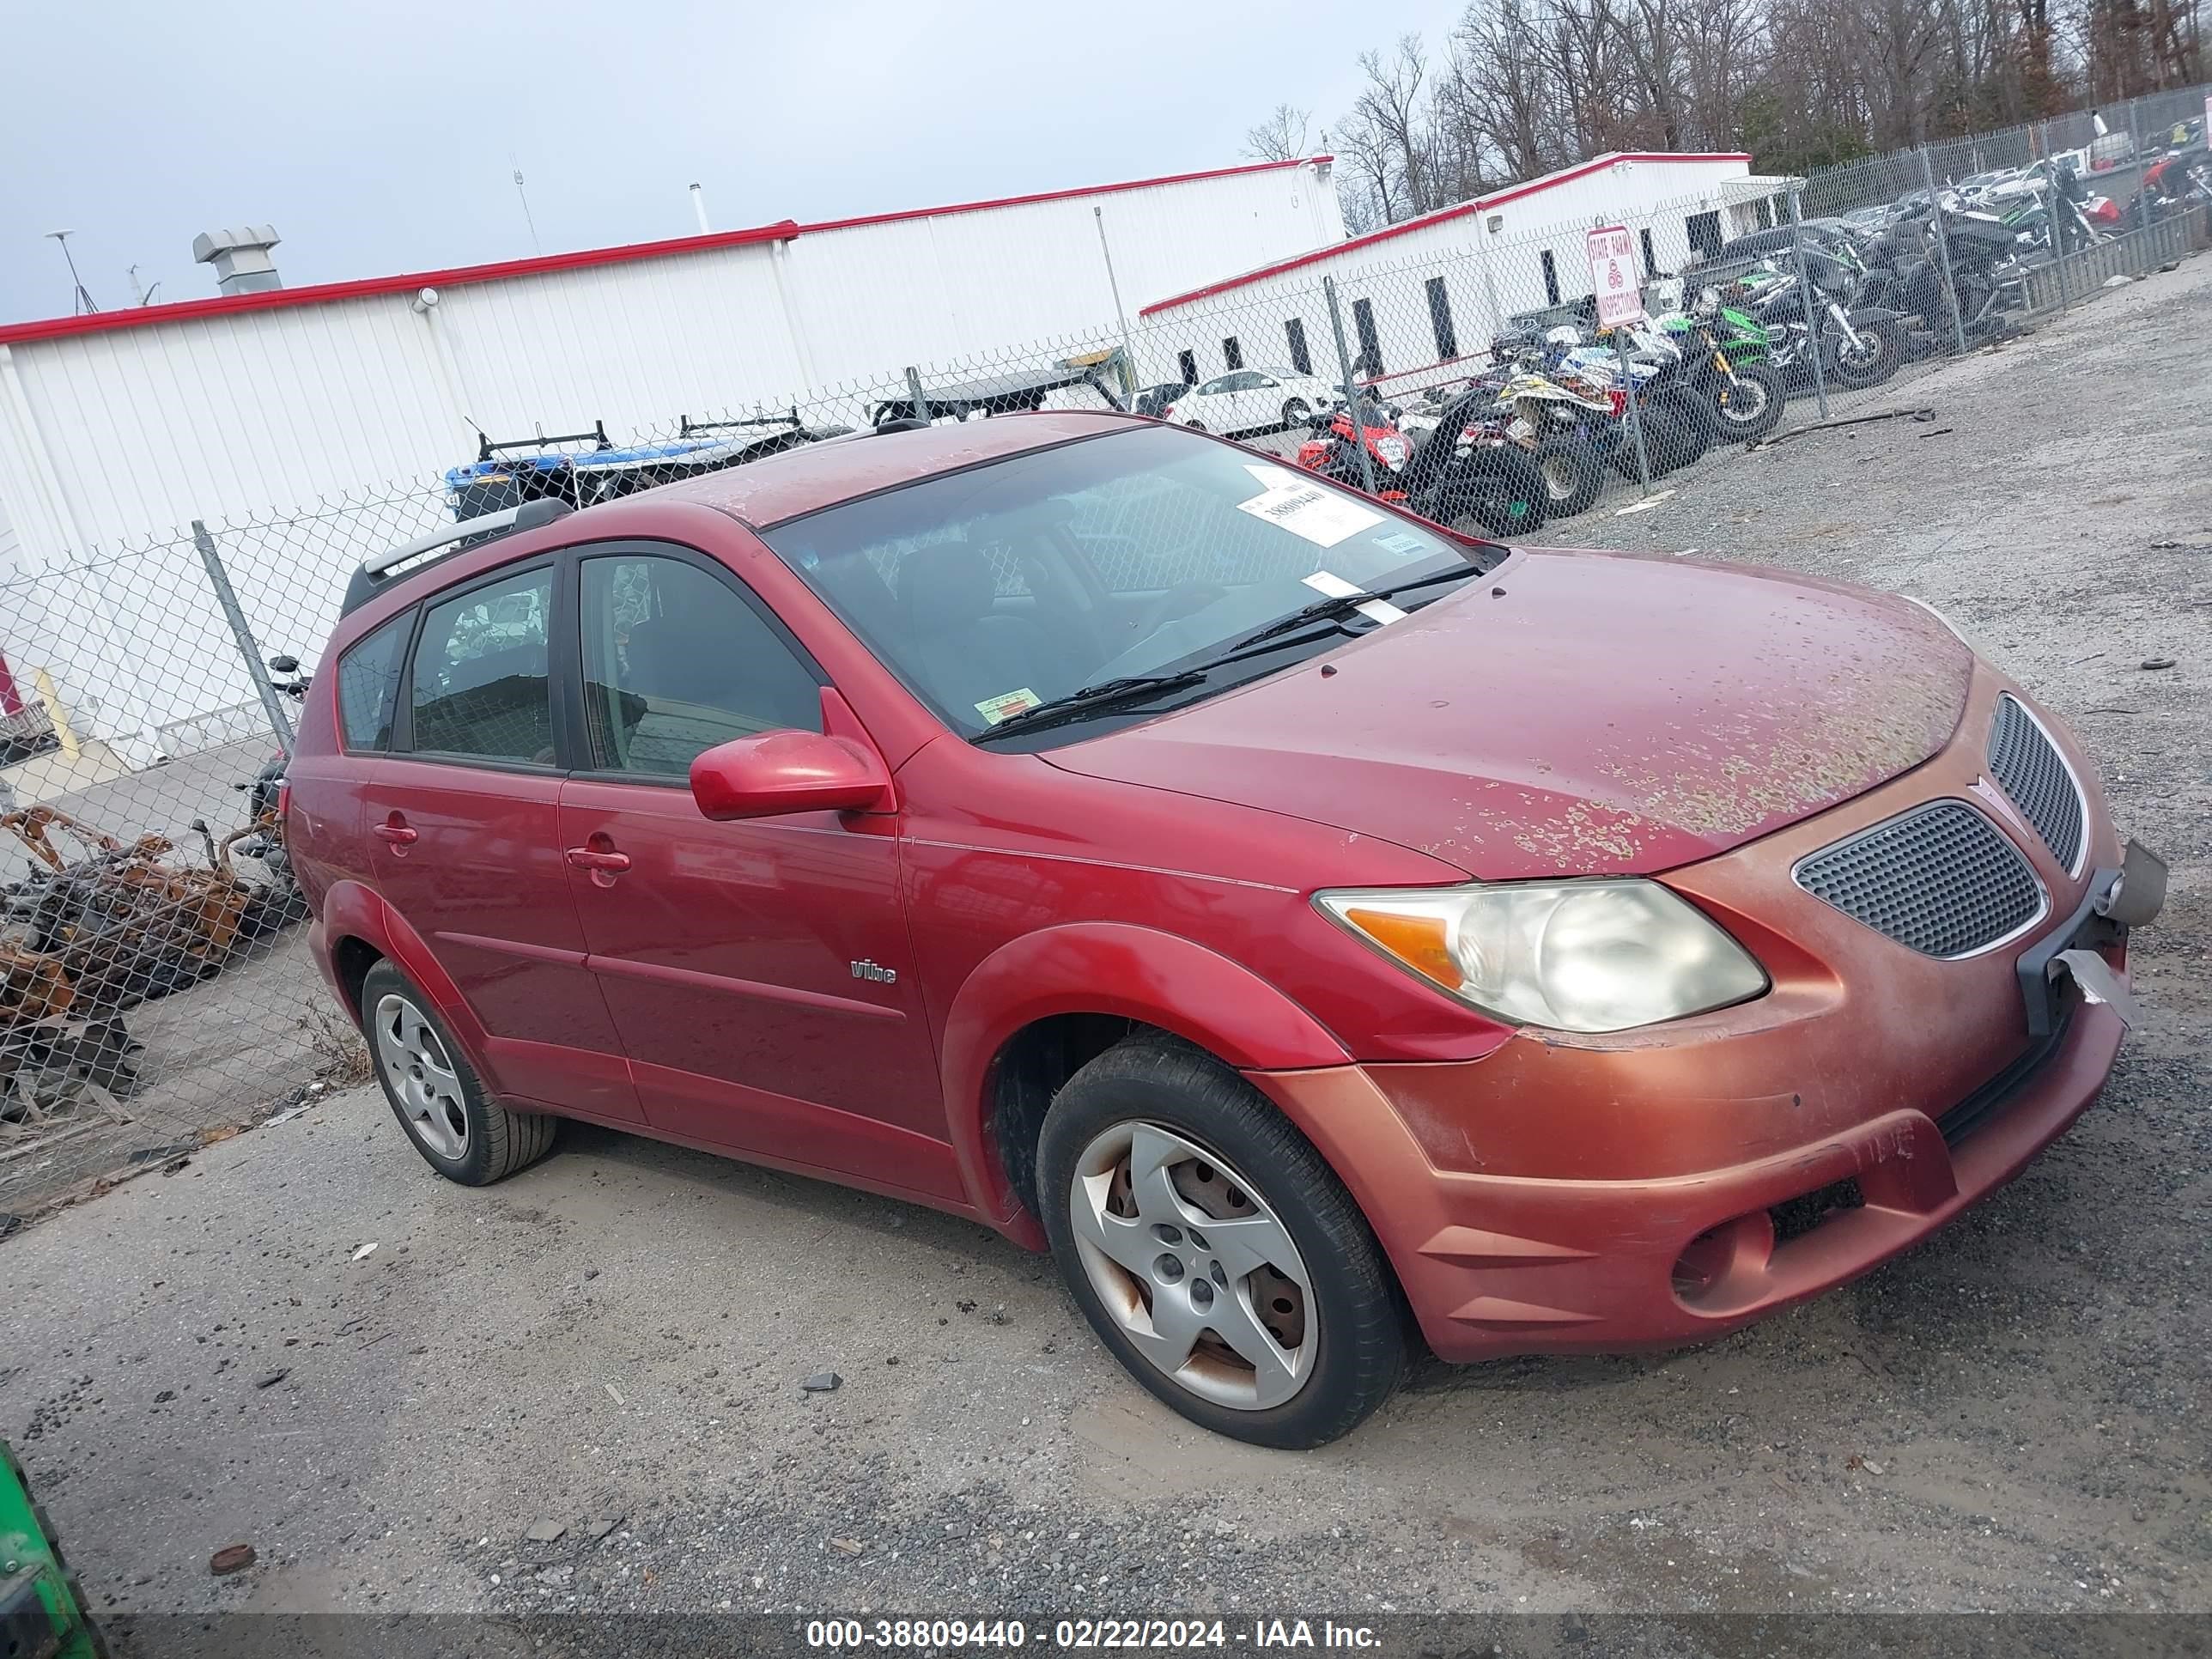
(730, 954)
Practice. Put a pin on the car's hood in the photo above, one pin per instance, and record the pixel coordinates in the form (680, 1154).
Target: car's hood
(1584, 713)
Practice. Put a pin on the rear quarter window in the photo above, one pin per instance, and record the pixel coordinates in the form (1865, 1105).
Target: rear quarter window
(368, 685)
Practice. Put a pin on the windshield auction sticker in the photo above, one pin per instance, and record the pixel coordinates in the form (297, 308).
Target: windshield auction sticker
(994, 709)
(1321, 516)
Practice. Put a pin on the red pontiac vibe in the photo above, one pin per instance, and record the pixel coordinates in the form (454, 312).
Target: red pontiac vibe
(1315, 928)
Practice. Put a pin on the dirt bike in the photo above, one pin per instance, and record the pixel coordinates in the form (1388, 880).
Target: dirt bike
(1748, 398)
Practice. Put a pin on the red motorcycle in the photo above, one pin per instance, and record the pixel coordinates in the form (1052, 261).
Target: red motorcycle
(1334, 450)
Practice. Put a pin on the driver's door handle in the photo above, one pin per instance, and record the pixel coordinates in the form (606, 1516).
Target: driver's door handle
(593, 859)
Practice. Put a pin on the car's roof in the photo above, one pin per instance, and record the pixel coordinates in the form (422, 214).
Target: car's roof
(780, 487)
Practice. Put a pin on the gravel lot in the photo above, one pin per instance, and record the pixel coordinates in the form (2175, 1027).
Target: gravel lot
(2011, 1417)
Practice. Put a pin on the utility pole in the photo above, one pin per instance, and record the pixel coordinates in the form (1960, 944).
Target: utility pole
(81, 301)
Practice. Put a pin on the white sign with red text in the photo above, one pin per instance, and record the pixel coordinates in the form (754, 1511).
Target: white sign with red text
(1613, 277)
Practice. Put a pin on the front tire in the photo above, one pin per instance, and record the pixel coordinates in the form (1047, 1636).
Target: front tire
(461, 1132)
(1880, 354)
(1755, 402)
(1213, 1251)
(1297, 412)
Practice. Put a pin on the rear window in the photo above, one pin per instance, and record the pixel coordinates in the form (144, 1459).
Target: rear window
(481, 686)
(368, 685)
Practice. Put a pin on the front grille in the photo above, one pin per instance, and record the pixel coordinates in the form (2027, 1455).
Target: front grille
(1940, 878)
(2027, 764)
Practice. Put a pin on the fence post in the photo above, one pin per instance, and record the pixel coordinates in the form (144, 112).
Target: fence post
(914, 391)
(219, 579)
(1943, 253)
(1350, 392)
(1113, 284)
(2135, 156)
(1805, 299)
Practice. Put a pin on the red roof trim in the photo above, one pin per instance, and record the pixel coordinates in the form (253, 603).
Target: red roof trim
(785, 230)
(318, 293)
(1458, 211)
(1062, 195)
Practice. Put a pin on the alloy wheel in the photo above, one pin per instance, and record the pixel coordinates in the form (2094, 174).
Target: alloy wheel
(1189, 1261)
(420, 1077)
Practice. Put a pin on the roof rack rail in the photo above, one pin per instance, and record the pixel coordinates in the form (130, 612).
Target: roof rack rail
(455, 538)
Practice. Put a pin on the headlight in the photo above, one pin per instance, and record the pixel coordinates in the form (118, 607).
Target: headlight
(1576, 956)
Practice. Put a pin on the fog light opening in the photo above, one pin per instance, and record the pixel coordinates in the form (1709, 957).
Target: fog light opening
(1723, 1266)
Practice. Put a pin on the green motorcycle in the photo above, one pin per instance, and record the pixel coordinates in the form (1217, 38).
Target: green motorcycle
(1727, 365)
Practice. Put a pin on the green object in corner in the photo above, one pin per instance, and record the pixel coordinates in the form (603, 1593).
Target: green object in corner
(42, 1613)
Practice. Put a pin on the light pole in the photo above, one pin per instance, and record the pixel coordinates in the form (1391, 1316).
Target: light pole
(81, 301)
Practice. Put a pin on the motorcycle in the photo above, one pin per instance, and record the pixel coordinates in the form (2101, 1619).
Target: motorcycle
(262, 836)
(1748, 398)
(1333, 451)
(1455, 472)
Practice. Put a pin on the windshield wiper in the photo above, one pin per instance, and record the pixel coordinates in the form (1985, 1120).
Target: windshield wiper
(1341, 604)
(1136, 688)
(1089, 699)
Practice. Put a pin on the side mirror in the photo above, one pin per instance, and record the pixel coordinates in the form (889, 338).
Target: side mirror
(789, 771)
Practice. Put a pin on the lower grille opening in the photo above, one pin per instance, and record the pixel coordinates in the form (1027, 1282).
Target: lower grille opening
(1796, 1217)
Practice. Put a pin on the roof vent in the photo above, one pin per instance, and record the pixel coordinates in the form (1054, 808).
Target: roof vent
(241, 257)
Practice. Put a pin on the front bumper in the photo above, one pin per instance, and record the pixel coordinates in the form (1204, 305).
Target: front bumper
(1670, 1185)
(1496, 1265)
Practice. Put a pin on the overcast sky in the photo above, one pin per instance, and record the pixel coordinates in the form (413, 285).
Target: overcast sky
(377, 138)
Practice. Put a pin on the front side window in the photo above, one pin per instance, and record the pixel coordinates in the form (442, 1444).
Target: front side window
(480, 688)
(675, 662)
(368, 686)
(1143, 550)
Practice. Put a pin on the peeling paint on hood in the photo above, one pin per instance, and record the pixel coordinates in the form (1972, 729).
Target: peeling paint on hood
(1601, 714)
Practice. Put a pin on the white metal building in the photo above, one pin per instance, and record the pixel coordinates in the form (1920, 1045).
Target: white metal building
(121, 426)
(1425, 296)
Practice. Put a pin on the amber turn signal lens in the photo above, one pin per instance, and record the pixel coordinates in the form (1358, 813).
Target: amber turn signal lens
(1422, 943)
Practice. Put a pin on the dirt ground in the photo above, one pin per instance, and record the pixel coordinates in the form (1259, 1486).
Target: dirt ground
(2011, 1417)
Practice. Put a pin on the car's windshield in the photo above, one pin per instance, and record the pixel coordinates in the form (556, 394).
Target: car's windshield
(1013, 584)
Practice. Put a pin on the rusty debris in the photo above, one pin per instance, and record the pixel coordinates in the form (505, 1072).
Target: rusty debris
(231, 1557)
(96, 927)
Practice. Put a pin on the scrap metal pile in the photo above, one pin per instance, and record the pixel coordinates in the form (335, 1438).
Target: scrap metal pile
(84, 939)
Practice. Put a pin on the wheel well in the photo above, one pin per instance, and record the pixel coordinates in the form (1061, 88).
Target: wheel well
(1031, 1069)
(353, 958)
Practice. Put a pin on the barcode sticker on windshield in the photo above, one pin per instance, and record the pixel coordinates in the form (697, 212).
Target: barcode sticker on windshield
(1404, 542)
(994, 709)
(1321, 516)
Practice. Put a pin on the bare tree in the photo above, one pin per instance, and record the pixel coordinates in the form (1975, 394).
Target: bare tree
(1283, 136)
(1524, 86)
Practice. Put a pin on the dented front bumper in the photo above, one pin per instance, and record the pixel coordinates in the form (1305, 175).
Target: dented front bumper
(1669, 1184)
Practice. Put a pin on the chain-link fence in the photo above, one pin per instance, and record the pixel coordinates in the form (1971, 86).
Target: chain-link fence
(155, 983)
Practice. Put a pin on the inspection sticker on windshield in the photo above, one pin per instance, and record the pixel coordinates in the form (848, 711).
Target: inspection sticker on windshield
(1401, 542)
(994, 709)
(1321, 516)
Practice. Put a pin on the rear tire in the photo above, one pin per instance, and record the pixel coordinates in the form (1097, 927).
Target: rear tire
(1573, 476)
(1499, 488)
(1291, 1271)
(1297, 412)
(460, 1130)
(1694, 421)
